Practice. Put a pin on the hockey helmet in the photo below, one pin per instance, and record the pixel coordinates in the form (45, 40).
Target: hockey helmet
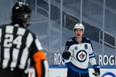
(21, 12)
(79, 25)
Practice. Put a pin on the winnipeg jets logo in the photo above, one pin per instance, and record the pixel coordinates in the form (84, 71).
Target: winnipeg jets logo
(81, 55)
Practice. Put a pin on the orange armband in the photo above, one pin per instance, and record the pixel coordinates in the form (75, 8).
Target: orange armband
(38, 58)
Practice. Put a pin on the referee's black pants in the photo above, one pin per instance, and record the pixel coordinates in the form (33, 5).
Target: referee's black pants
(12, 73)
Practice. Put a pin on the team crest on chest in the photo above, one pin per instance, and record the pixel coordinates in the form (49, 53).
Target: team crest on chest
(81, 55)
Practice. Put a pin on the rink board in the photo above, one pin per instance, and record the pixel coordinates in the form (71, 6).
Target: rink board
(61, 71)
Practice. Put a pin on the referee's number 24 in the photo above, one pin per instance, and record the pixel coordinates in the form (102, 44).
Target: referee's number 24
(10, 40)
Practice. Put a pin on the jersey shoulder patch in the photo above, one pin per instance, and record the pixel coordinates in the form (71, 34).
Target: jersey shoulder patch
(70, 40)
(87, 40)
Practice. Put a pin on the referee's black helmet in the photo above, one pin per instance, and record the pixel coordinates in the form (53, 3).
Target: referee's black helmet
(21, 12)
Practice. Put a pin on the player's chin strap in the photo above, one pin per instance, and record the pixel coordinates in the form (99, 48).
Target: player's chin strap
(97, 70)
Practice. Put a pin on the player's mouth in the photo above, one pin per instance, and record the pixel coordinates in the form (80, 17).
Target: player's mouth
(78, 34)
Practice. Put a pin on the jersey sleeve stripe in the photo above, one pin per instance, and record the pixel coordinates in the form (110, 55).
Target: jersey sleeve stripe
(92, 57)
(91, 54)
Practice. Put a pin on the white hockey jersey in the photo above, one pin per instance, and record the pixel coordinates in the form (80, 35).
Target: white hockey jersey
(81, 54)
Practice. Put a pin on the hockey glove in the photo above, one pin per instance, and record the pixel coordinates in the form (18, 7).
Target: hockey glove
(66, 55)
(96, 69)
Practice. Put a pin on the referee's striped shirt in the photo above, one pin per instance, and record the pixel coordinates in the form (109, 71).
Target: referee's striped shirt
(17, 44)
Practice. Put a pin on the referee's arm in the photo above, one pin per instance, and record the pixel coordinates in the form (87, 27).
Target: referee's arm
(40, 59)
(41, 65)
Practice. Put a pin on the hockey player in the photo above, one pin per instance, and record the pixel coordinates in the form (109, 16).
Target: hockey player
(19, 47)
(78, 53)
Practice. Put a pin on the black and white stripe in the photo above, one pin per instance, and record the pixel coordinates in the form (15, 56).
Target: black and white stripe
(15, 44)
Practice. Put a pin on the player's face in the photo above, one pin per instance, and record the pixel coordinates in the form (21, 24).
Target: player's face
(78, 33)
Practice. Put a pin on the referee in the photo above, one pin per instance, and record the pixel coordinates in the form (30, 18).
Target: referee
(19, 47)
